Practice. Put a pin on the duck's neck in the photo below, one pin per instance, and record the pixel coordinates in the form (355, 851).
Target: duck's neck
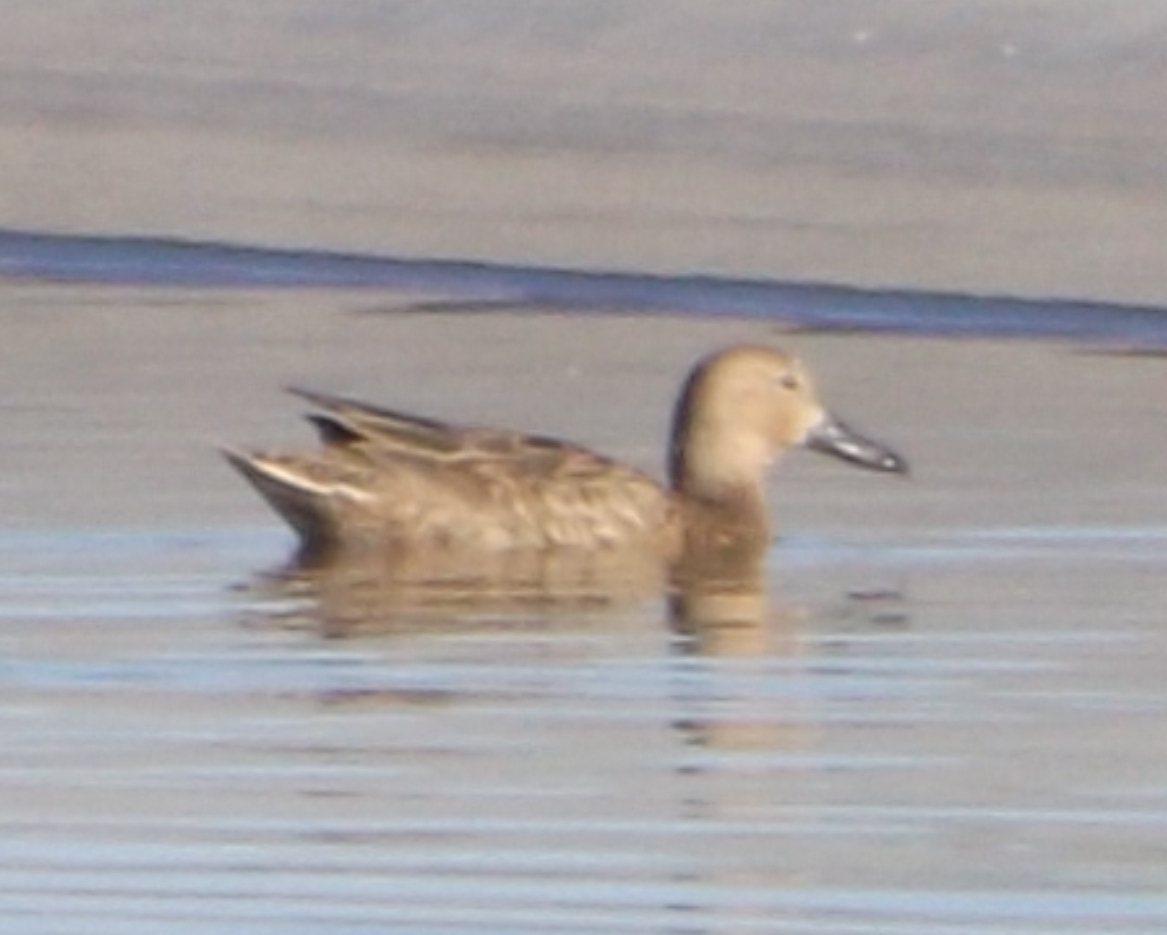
(717, 472)
(732, 520)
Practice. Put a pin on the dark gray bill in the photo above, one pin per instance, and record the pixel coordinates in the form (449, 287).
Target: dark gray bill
(833, 437)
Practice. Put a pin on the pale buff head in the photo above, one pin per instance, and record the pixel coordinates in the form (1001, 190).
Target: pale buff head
(742, 407)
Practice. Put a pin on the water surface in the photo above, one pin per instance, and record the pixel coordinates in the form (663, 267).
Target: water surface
(457, 285)
(943, 714)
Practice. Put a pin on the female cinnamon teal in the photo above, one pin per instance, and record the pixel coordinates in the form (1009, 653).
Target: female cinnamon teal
(382, 479)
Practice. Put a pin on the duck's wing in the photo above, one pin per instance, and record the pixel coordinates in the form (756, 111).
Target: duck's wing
(349, 423)
(378, 432)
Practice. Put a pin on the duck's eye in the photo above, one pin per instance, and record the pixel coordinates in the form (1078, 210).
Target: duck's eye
(789, 381)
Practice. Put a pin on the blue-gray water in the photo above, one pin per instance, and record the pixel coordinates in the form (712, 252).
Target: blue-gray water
(944, 715)
(183, 757)
(160, 262)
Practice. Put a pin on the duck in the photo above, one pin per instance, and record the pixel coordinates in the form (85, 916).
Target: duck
(384, 480)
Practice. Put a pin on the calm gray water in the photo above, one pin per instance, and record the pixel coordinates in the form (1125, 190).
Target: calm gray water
(975, 745)
(944, 715)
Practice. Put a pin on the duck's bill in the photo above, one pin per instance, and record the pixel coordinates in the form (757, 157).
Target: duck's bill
(833, 437)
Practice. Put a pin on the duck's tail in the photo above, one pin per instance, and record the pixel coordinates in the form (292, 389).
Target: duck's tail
(296, 492)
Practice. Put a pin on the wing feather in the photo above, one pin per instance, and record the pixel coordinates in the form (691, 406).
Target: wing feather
(379, 432)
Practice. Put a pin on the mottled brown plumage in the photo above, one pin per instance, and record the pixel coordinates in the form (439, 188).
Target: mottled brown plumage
(385, 480)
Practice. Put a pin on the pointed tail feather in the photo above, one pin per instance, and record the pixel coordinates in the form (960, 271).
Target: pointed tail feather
(300, 499)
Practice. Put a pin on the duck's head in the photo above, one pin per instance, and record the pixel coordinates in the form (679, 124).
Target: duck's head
(742, 407)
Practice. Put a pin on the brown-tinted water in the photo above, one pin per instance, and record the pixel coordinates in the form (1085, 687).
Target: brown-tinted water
(943, 713)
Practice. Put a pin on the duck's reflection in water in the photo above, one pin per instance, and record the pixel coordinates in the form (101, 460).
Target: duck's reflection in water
(729, 639)
(700, 750)
(715, 607)
(722, 613)
(443, 591)
(725, 630)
